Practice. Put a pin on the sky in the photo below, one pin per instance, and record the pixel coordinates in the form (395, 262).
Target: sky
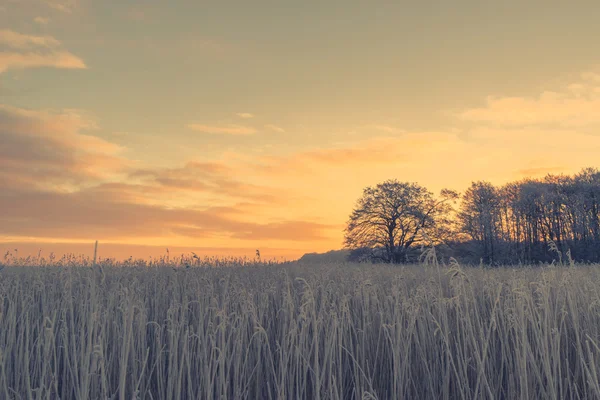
(222, 127)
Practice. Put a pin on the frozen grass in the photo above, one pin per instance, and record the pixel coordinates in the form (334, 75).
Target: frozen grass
(299, 332)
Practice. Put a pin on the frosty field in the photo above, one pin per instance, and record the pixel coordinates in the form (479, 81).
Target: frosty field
(299, 331)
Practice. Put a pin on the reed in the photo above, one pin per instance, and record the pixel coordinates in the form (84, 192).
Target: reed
(266, 331)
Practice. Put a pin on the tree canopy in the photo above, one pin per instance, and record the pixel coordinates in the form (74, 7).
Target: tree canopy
(391, 218)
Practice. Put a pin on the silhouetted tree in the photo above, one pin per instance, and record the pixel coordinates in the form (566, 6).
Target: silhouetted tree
(479, 217)
(393, 217)
(532, 220)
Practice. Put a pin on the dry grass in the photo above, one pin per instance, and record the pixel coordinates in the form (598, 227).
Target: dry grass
(299, 332)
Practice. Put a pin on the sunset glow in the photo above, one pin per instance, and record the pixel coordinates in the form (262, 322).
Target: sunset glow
(225, 127)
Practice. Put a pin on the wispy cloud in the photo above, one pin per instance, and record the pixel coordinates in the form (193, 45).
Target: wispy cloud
(362, 154)
(208, 178)
(64, 60)
(275, 128)
(591, 76)
(245, 115)
(41, 20)
(383, 128)
(223, 130)
(30, 51)
(19, 41)
(573, 105)
(65, 6)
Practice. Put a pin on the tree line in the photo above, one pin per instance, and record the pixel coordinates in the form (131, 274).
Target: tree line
(527, 221)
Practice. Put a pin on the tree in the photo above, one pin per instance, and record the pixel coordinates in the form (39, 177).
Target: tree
(393, 217)
(480, 215)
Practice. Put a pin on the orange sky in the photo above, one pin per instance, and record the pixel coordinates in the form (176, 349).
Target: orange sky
(229, 127)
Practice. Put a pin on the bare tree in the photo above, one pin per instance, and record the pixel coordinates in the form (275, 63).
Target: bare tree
(532, 219)
(480, 216)
(394, 216)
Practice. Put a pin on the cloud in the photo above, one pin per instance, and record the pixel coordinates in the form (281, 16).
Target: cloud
(209, 178)
(83, 215)
(44, 149)
(20, 41)
(535, 140)
(364, 154)
(65, 6)
(275, 128)
(64, 60)
(58, 181)
(574, 105)
(591, 76)
(514, 136)
(29, 51)
(41, 20)
(245, 115)
(223, 130)
(500, 154)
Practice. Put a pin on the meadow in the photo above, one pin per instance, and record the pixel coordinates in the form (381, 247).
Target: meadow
(251, 330)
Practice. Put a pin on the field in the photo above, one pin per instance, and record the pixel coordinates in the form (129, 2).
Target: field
(299, 332)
